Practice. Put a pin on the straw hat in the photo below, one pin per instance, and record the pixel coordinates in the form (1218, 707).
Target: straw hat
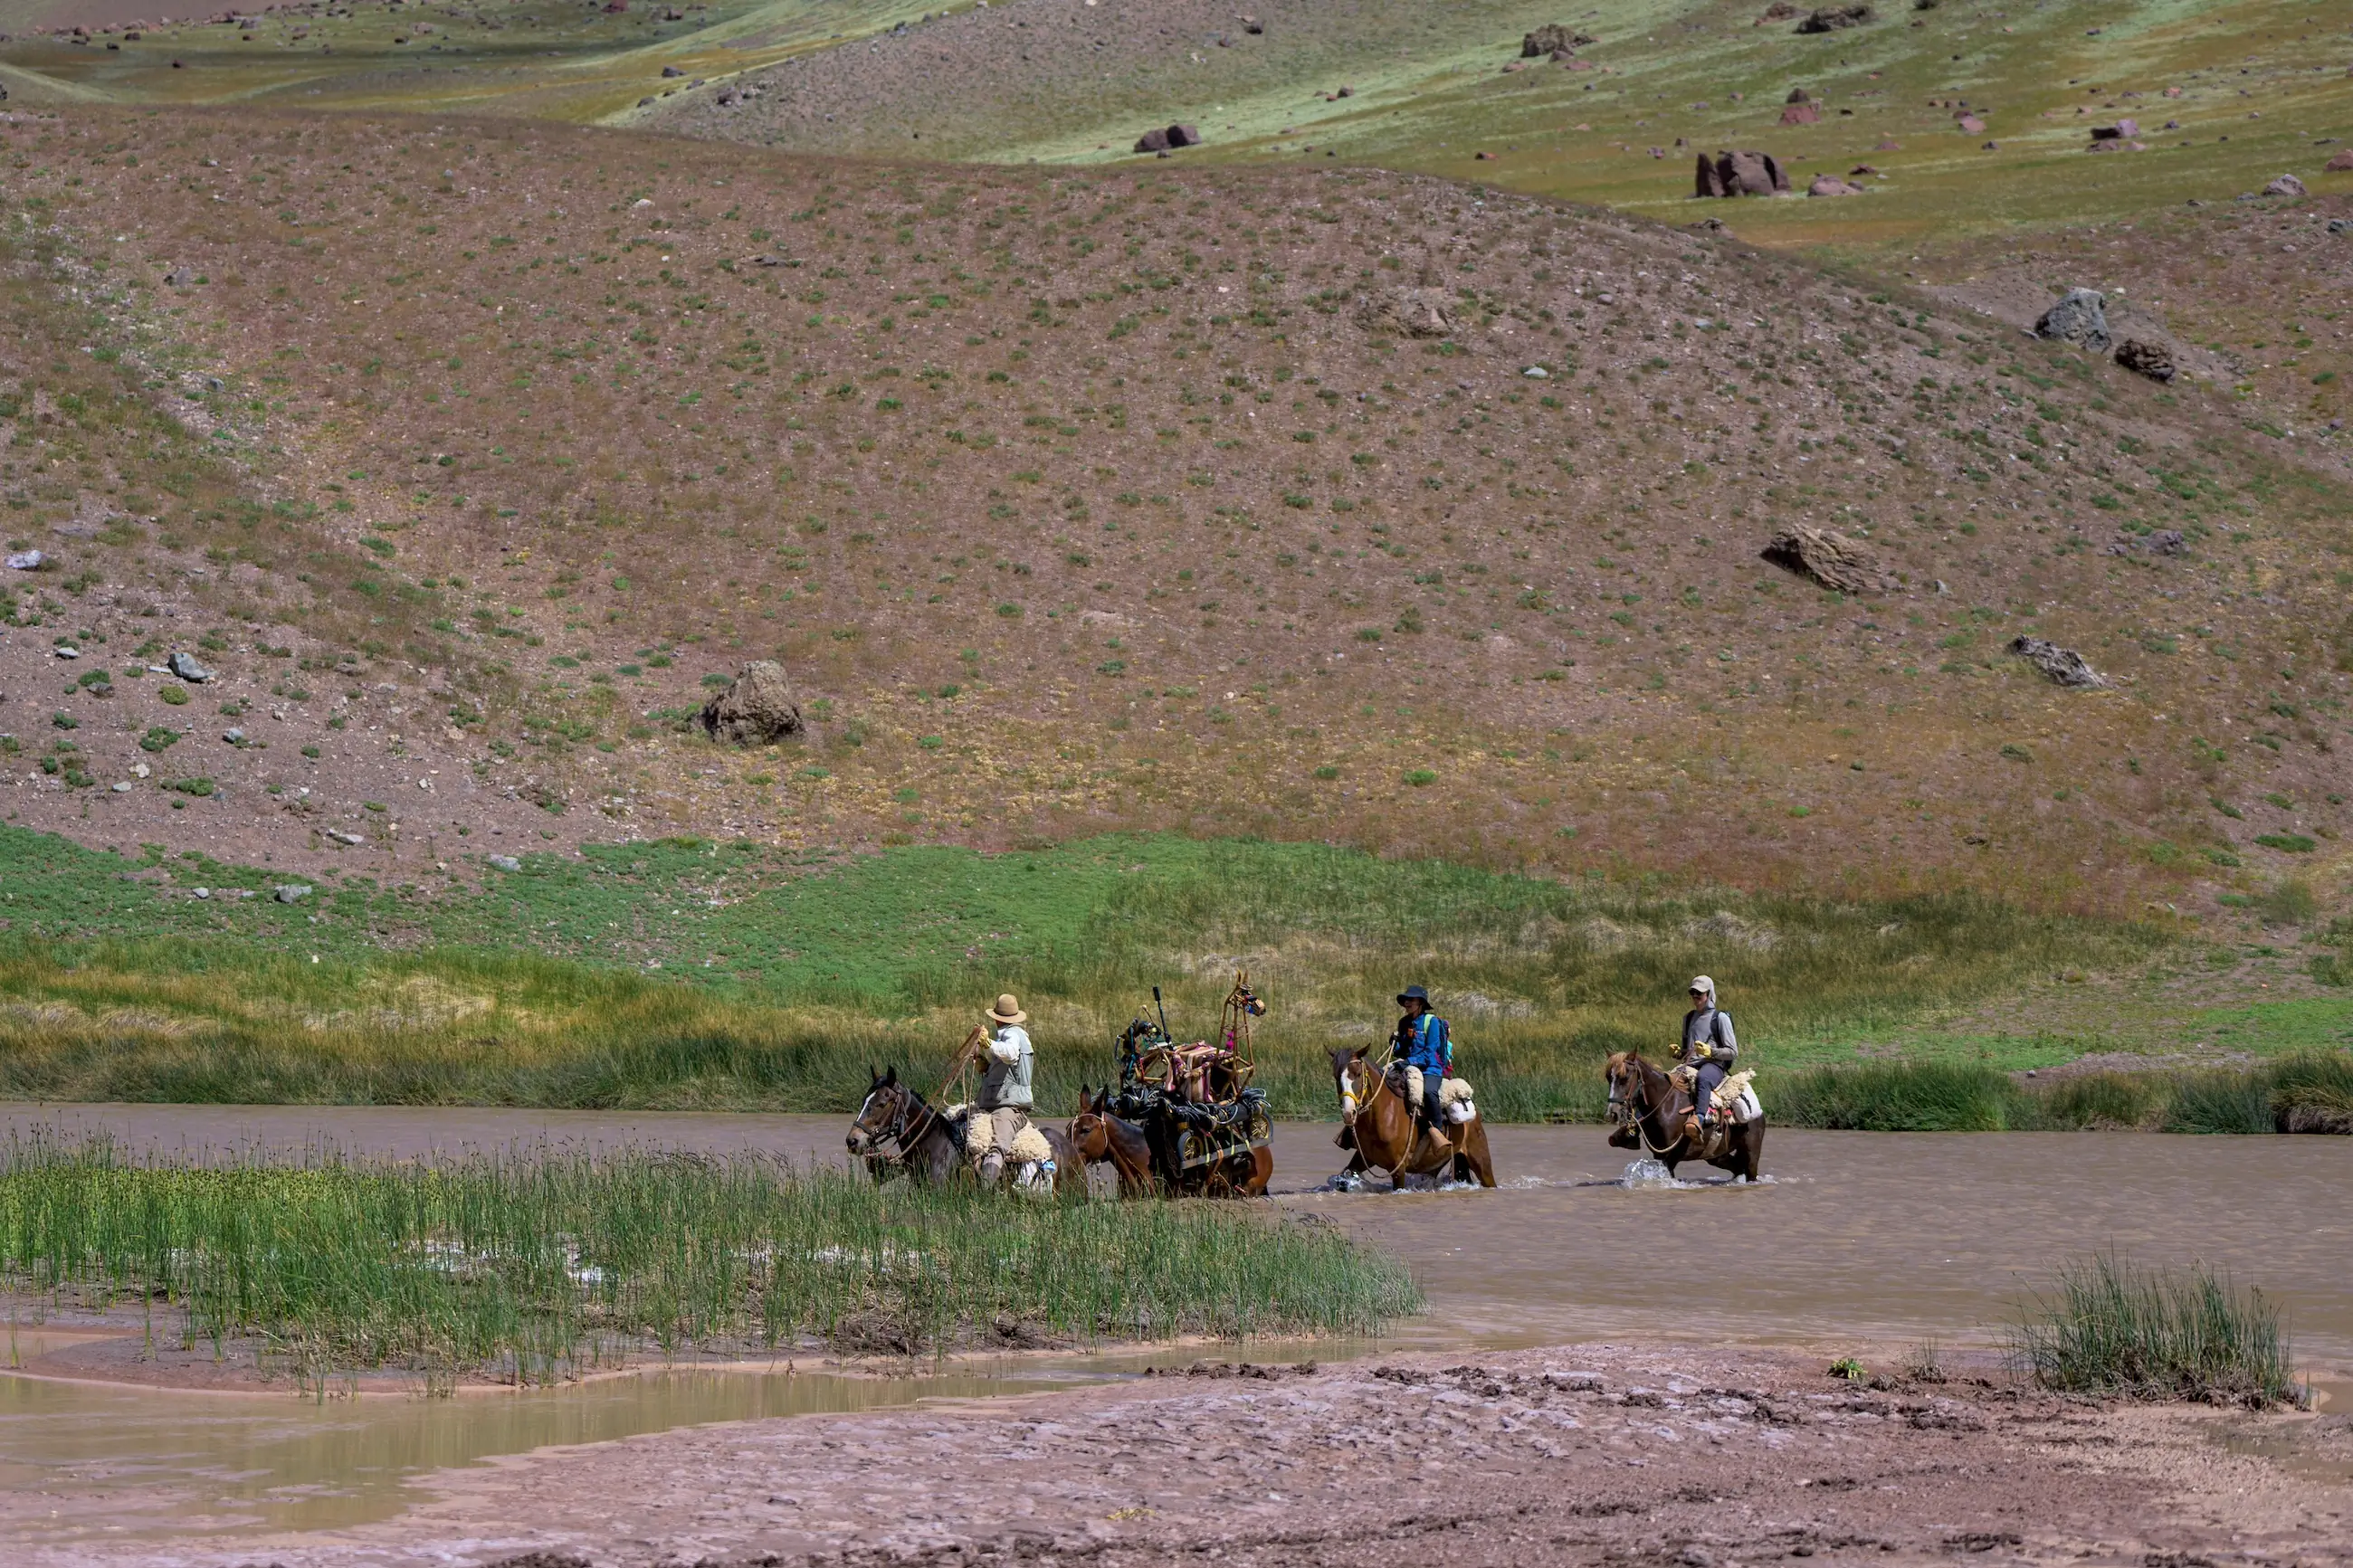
(1008, 1010)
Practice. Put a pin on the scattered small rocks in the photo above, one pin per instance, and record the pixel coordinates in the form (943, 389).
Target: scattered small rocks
(2080, 316)
(757, 708)
(188, 668)
(1847, 566)
(2063, 666)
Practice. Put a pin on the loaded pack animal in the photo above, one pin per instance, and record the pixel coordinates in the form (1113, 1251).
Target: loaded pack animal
(1653, 1113)
(898, 1132)
(1386, 1136)
(1202, 1129)
(1099, 1136)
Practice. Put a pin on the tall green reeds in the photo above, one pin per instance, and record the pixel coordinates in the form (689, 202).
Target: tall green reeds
(2310, 1092)
(2111, 1327)
(532, 1268)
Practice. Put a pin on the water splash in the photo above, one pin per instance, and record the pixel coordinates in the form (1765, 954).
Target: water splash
(1640, 1174)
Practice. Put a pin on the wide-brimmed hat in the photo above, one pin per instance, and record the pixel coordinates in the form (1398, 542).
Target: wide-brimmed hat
(1702, 983)
(1008, 1010)
(1413, 994)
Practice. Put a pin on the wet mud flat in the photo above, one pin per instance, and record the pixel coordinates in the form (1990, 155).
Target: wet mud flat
(1599, 1455)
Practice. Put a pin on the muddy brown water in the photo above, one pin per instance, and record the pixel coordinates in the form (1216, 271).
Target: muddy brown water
(1863, 1241)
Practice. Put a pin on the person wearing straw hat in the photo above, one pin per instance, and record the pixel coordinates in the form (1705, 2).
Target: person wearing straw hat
(1008, 1061)
(1709, 1047)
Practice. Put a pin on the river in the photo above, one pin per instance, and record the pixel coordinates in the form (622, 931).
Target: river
(1857, 1241)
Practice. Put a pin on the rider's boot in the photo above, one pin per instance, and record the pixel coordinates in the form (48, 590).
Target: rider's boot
(992, 1170)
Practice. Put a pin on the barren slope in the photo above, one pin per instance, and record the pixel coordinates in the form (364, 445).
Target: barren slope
(1087, 499)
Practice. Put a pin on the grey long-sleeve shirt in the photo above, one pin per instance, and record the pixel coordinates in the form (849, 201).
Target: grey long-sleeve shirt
(1714, 1026)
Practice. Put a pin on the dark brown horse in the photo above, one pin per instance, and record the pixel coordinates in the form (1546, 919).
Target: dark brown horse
(896, 1127)
(1387, 1135)
(1097, 1136)
(1651, 1115)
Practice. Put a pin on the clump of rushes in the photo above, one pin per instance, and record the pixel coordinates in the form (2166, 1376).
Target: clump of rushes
(536, 1266)
(2111, 1327)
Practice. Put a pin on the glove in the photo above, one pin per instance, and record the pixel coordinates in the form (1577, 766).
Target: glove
(1704, 1051)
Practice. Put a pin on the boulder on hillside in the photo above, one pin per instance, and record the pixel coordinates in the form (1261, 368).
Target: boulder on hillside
(2080, 316)
(2063, 666)
(2144, 357)
(1740, 175)
(2340, 164)
(1798, 95)
(1552, 38)
(1779, 11)
(2285, 186)
(1831, 185)
(1832, 18)
(1846, 564)
(1408, 312)
(1801, 114)
(757, 709)
(1167, 138)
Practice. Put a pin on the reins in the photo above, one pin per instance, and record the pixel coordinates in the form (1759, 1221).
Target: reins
(1642, 1109)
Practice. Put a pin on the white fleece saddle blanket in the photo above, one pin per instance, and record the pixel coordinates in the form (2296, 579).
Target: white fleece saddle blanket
(1030, 1145)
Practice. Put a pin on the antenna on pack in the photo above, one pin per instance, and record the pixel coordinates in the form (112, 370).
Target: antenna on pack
(1164, 1013)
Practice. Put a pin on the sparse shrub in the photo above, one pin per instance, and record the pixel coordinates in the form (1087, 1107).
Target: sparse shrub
(2115, 1328)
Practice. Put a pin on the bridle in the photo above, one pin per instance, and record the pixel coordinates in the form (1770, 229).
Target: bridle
(1626, 1108)
(906, 1126)
(1351, 1108)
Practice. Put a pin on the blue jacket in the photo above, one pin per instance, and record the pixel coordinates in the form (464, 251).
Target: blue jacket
(1425, 1042)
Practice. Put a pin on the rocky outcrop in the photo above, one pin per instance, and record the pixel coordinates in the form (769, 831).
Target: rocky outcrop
(1832, 18)
(1802, 114)
(1846, 564)
(757, 709)
(1740, 175)
(2063, 666)
(2080, 316)
(1553, 39)
(1166, 138)
(1831, 185)
(2143, 357)
(2285, 186)
(2342, 164)
(1409, 312)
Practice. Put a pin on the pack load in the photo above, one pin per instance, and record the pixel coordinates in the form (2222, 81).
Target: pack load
(1195, 1102)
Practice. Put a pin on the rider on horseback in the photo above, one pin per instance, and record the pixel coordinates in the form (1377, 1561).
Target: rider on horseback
(1003, 1098)
(1709, 1045)
(1423, 1045)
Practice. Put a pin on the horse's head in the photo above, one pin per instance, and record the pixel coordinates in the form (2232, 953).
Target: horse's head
(1625, 1073)
(1089, 1132)
(882, 1116)
(1356, 1078)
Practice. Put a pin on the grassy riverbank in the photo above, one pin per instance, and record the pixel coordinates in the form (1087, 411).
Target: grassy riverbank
(686, 974)
(2307, 1092)
(542, 1267)
(2111, 1326)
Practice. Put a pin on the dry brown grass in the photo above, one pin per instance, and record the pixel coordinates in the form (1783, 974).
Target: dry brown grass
(1100, 501)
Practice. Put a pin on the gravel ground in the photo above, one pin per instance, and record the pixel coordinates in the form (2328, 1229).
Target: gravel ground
(1584, 1455)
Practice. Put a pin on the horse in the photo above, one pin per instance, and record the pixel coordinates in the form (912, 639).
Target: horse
(1387, 1135)
(930, 1146)
(1096, 1136)
(1645, 1103)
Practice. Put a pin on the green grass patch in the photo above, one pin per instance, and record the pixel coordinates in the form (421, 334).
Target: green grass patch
(538, 1266)
(688, 974)
(2113, 1328)
(2305, 1092)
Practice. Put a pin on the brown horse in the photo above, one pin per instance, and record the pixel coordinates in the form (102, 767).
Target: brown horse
(1650, 1112)
(1387, 1135)
(929, 1147)
(1097, 1136)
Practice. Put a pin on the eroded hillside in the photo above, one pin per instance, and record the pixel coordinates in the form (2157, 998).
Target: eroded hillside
(1215, 499)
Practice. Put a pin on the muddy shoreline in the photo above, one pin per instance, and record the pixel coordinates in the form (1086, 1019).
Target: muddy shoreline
(1614, 1454)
